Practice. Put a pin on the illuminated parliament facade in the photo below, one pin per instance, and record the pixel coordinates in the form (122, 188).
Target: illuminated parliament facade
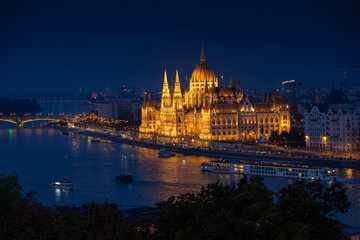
(205, 112)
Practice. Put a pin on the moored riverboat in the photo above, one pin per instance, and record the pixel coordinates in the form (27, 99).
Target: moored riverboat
(164, 153)
(271, 169)
(124, 178)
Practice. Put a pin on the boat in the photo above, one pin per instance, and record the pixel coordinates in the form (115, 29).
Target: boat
(65, 133)
(62, 184)
(271, 169)
(164, 153)
(124, 178)
(95, 140)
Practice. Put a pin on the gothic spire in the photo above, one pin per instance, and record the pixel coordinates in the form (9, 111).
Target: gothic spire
(172, 85)
(206, 86)
(177, 89)
(144, 98)
(202, 58)
(165, 89)
(231, 84)
(238, 90)
(213, 85)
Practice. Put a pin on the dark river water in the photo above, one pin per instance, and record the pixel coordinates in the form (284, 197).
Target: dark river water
(41, 156)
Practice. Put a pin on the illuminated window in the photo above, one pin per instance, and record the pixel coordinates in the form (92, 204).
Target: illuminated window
(284, 117)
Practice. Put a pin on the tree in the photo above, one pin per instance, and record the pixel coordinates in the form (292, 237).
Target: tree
(219, 211)
(12, 198)
(92, 221)
(274, 137)
(247, 210)
(307, 209)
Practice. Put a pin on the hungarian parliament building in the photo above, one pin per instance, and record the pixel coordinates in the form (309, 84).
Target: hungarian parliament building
(205, 112)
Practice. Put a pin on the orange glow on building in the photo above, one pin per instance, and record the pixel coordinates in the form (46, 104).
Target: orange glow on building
(205, 112)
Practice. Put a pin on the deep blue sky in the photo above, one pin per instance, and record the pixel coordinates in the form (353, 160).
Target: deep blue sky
(59, 46)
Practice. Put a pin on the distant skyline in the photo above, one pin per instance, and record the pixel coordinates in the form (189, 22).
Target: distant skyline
(49, 47)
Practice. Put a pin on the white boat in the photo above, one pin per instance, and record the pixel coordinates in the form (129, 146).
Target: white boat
(164, 153)
(62, 184)
(270, 169)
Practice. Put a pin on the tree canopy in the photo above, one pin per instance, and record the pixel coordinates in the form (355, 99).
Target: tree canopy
(12, 198)
(248, 210)
(243, 210)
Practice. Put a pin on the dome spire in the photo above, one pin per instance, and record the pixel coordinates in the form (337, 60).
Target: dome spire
(202, 58)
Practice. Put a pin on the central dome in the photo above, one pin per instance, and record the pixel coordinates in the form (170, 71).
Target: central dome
(203, 72)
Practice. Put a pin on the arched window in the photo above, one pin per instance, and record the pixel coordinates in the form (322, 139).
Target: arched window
(276, 119)
(271, 120)
(234, 121)
(223, 121)
(179, 119)
(213, 121)
(266, 120)
(218, 121)
(261, 120)
(229, 121)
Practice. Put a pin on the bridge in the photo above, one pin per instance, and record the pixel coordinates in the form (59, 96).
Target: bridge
(20, 121)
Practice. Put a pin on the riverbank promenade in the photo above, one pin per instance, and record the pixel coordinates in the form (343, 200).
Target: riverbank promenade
(303, 157)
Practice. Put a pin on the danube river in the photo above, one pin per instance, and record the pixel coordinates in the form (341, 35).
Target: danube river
(41, 156)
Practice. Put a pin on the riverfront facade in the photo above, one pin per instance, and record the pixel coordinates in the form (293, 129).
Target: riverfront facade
(333, 125)
(206, 112)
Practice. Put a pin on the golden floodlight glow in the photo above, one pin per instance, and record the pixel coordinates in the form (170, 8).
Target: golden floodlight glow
(205, 112)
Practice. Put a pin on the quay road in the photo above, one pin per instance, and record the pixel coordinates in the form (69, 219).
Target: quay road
(235, 155)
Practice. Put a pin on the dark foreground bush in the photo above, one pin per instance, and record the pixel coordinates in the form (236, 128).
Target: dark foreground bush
(246, 210)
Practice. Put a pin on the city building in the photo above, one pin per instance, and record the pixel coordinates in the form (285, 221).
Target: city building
(107, 109)
(333, 125)
(119, 108)
(206, 112)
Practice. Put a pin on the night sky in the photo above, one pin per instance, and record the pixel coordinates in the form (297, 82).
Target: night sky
(52, 47)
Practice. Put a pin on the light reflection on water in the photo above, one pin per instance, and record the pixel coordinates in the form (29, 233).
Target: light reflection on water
(41, 156)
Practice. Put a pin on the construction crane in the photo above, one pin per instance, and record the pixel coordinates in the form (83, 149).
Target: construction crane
(293, 84)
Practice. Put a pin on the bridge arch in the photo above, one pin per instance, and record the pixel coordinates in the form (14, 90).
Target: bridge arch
(41, 119)
(8, 120)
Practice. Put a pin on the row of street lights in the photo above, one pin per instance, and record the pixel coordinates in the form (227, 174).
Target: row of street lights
(37, 114)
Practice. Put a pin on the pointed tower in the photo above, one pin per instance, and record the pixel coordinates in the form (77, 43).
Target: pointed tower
(202, 58)
(172, 85)
(177, 95)
(165, 97)
(144, 103)
(239, 94)
(231, 84)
